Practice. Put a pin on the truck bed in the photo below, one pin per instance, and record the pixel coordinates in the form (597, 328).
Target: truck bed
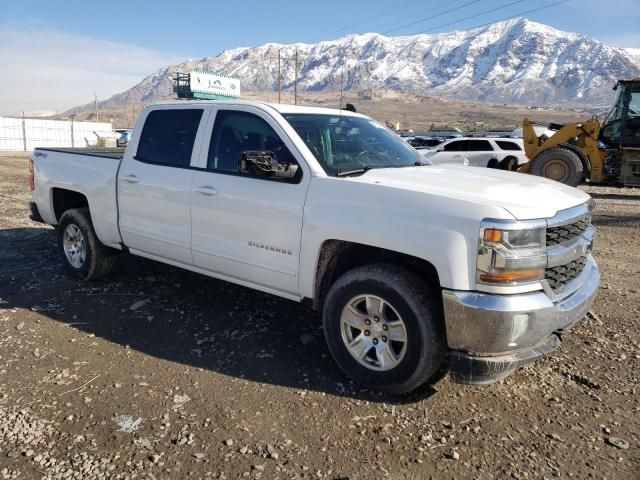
(115, 153)
(91, 172)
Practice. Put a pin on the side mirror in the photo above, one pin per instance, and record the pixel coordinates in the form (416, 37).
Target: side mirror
(263, 163)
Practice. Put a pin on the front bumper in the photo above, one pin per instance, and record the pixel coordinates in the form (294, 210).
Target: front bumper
(491, 335)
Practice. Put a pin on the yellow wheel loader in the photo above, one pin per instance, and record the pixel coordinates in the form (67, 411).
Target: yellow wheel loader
(607, 153)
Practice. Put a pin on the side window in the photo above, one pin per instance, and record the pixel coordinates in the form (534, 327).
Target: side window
(235, 132)
(508, 145)
(479, 146)
(168, 135)
(455, 146)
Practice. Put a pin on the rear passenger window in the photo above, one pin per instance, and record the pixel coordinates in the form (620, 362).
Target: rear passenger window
(457, 146)
(508, 145)
(479, 146)
(168, 136)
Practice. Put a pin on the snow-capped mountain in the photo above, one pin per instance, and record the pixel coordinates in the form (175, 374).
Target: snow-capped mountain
(515, 61)
(633, 54)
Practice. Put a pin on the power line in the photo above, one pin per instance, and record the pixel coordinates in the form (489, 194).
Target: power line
(44, 101)
(430, 17)
(520, 14)
(474, 16)
(369, 19)
(434, 8)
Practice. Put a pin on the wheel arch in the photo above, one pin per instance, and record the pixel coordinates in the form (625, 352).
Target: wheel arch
(63, 199)
(336, 257)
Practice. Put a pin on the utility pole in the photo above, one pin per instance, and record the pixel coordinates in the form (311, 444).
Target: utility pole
(279, 78)
(279, 75)
(341, 84)
(295, 80)
(298, 63)
(24, 132)
(72, 118)
(95, 97)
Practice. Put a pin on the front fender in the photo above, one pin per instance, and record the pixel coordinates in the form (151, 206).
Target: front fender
(442, 231)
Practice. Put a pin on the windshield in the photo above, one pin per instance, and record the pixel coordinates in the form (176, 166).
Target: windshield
(344, 144)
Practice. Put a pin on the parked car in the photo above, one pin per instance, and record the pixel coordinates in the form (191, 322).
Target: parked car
(425, 142)
(409, 264)
(124, 136)
(503, 153)
(539, 129)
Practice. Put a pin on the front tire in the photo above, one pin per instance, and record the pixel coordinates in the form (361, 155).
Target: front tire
(384, 328)
(559, 164)
(82, 253)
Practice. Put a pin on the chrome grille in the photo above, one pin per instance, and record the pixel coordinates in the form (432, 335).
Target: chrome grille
(559, 276)
(564, 233)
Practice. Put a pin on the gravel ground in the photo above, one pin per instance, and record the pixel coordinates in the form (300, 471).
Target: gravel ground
(157, 373)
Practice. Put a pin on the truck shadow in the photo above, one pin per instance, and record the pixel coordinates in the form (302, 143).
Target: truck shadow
(614, 196)
(625, 221)
(183, 317)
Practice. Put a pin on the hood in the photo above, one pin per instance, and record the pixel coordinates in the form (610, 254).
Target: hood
(523, 196)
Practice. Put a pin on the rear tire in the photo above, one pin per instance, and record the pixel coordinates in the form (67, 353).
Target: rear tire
(83, 255)
(510, 164)
(493, 163)
(559, 164)
(384, 328)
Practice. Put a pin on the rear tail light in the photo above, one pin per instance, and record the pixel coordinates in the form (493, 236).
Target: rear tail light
(32, 178)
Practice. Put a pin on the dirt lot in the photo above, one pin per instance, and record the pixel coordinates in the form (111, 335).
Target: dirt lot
(157, 373)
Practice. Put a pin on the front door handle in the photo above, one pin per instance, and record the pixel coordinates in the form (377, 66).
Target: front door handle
(130, 178)
(206, 190)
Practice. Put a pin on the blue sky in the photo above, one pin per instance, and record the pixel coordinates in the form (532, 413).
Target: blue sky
(67, 49)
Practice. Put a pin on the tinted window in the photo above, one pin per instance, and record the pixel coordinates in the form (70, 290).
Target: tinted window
(479, 146)
(236, 132)
(425, 142)
(168, 136)
(508, 145)
(457, 146)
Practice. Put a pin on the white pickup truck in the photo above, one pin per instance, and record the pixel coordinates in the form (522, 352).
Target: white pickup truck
(411, 264)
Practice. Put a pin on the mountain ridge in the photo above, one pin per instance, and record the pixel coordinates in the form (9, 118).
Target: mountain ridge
(516, 62)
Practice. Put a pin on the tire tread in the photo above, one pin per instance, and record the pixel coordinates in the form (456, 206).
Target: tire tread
(425, 306)
(100, 257)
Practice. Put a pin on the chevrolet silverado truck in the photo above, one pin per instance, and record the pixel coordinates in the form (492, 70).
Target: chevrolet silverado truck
(412, 265)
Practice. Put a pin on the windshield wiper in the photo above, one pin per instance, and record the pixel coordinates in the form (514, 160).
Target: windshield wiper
(356, 171)
(353, 171)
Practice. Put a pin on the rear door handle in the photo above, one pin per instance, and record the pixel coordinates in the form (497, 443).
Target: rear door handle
(130, 178)
(206, 190)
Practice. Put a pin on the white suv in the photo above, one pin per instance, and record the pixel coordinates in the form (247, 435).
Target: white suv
(504, 153)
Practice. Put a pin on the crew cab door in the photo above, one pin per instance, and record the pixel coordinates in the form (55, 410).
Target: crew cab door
(154, 183)
(480, 152)
(452, 153)
(247, 228)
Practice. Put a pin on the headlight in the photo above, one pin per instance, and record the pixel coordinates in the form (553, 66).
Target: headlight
(511, 254)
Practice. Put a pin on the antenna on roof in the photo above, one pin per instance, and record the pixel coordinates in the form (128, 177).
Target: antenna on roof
(341, 84)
